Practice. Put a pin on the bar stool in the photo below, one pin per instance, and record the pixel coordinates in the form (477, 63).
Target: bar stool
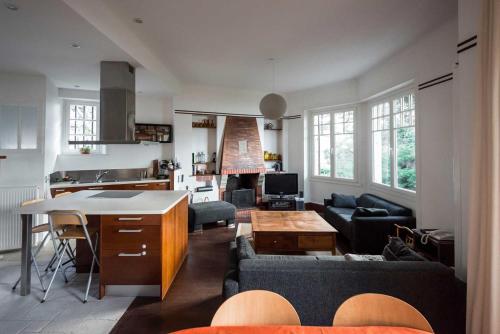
(74, 226)
(69, 251)
(42, 228)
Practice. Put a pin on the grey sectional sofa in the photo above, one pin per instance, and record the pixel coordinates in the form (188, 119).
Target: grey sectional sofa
(317, 286)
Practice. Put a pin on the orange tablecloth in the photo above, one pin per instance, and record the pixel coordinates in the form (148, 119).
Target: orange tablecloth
(301, 330)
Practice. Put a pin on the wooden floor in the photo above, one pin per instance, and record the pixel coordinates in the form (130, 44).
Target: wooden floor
(195, 294)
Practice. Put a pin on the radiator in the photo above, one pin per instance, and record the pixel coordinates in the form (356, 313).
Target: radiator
(10, 221)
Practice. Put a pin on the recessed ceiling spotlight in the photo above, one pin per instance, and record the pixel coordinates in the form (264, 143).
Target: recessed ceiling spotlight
(138, 20)
(11, 6)
(77, 86)
(75, 45)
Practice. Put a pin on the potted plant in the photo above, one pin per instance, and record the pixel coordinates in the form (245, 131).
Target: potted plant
(85, 150)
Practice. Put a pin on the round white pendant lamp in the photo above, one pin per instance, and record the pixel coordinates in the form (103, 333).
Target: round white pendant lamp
(273, 106)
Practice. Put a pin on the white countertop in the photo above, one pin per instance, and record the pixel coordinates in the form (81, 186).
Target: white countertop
(150, 202)
(72, 185)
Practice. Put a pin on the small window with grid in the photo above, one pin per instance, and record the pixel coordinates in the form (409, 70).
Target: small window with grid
(82, 124)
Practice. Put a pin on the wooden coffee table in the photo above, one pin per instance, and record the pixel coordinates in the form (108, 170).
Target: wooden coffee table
(291, 231)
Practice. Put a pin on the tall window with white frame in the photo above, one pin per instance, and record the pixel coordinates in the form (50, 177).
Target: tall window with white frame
(333, 143)
(82, 124)
(393, 142)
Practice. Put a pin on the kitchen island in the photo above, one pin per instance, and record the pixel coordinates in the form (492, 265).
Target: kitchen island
(143, 236)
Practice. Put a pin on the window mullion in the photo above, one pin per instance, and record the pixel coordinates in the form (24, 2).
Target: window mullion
(332, 145)
(391, 127)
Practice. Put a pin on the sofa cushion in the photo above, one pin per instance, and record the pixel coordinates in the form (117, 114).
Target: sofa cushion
(244, 248)
(344, 201)
(372, 201)
(370, 212)
(397, 250)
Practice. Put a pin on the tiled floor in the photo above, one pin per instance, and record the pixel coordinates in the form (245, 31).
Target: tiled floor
(63, 312)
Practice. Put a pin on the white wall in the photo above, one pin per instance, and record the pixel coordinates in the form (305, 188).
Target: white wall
(24, 168)
(149, 109)
(53, 130)
(465, 94)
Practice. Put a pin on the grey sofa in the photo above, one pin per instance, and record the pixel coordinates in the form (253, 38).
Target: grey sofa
(368, 235)
(317, 286)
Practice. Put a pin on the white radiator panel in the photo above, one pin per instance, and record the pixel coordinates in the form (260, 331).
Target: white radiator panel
(10, 221)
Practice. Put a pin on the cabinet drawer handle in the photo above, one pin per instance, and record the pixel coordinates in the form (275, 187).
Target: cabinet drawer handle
(141, 185)
(129, 219)
(59, 190)
(95, 188)
(275, 241)
(133, 254)
(122, 230)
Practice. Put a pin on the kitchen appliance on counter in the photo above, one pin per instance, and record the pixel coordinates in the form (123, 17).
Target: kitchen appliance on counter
(162, 170)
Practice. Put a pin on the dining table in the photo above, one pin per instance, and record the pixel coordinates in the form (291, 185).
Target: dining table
(300, 330)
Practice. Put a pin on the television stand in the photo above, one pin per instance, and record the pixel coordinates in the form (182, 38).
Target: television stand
(281, 204)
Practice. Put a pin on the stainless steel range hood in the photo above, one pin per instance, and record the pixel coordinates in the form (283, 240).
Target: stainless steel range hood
(117, 105)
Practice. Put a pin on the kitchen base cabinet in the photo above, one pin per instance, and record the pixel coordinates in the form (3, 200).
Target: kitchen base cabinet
(143, 249)
(153, 185)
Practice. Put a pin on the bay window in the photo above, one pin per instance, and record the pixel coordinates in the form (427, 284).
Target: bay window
(333, 142)
(393, 142)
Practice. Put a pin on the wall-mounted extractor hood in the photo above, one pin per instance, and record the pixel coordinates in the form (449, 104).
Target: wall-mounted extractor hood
(117, 105)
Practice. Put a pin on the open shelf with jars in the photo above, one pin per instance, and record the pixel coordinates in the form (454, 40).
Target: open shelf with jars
(204, 146)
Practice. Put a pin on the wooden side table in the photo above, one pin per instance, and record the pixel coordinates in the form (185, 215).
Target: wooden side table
(434, 250)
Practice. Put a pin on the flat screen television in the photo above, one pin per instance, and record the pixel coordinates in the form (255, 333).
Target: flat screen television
(277, 184)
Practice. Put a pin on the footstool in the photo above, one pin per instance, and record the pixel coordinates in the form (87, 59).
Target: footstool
(210, 212)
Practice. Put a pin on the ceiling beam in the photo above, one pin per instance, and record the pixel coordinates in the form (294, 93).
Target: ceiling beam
(98, 13)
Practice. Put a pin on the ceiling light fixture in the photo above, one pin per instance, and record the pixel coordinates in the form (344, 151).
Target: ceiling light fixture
(11, 6)
(273, 106)
(138, 20)
(75, 45)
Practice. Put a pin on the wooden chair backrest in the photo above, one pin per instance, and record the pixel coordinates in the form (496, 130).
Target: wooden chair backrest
(62, 218)
(63, 194)
(32, 201)
(256, 307)
(372, 309)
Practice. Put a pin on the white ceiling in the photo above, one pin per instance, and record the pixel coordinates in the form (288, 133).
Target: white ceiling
(228, 42)
(37, 39)
(213, 42)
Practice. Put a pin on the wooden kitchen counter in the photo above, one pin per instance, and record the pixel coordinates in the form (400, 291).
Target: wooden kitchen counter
(143, 239)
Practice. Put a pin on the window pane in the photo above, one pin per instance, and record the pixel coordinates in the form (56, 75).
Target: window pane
(316, 155)
(324, 155)
(28, 118)
(382, 157)
(72, 111)
(325, 129)
(89, 110)
(79, 112)
(344, 156)
(8, 127)
(405, 157)
(79, 127)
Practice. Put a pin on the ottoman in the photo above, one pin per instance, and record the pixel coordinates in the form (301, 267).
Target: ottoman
(210, 212)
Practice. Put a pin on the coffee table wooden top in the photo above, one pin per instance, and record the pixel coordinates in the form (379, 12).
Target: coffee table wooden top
(289, 221)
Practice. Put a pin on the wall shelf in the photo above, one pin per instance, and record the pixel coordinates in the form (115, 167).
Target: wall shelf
(158, 133)
(273, 129)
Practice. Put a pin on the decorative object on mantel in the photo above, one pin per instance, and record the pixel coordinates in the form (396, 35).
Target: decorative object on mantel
(159, 133)
(269, 156)
(85, 150)
(268, 126)
(273, 106)
(206, 123)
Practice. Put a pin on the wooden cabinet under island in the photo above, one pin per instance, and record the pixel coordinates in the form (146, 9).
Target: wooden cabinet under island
(143, 236)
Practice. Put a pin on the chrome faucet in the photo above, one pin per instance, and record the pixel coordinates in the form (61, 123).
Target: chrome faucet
(99, 176)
